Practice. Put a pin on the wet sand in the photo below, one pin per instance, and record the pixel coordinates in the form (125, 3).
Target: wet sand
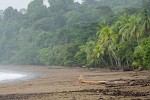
(59, 83)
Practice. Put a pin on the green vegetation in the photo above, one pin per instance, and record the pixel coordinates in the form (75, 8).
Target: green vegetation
(96, 33)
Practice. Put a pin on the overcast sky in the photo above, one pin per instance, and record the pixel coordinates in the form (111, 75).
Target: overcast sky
(17, 4)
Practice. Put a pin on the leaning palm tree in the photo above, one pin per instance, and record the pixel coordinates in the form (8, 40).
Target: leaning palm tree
(106, 39)
(99, 52)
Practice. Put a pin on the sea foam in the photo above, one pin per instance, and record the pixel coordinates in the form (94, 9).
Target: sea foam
(9, 76)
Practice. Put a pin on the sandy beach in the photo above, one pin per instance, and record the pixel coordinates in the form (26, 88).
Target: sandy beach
(60, 83)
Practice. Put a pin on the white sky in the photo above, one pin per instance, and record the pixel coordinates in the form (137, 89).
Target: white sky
(17, 4)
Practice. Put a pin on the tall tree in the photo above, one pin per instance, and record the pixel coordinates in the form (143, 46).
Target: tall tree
(59, 5)
(36, 10)
(10, 13)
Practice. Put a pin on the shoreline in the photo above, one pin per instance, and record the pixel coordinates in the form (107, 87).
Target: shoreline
(61, 83)
(27, 76)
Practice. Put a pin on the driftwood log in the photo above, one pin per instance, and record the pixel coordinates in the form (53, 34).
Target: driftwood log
(107, 83)
(81, 80)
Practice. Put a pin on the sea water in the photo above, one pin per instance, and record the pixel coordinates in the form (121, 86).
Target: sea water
(10, 76)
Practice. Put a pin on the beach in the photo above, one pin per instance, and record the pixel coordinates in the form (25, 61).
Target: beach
(62, 83)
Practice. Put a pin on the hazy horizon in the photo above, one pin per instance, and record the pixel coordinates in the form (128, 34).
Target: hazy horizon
(17, 4)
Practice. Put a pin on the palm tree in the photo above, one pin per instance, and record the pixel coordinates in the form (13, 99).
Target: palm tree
(135, 29)
(123, 25)
(89, 51)
(106, 39)
(146, 22)
(106, 33)
(130, 28)
(99, 52)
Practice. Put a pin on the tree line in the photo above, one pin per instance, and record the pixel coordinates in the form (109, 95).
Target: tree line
(95, 33)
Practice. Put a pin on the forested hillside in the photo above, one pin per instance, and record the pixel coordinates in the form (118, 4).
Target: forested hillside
(96, 33)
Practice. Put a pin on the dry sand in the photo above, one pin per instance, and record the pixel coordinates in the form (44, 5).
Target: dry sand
(59, 83)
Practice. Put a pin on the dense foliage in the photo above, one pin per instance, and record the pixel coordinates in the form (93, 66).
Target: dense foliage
(96, 33)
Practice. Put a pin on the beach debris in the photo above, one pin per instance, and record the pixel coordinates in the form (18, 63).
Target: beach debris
(81, 80)
(116, 83)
